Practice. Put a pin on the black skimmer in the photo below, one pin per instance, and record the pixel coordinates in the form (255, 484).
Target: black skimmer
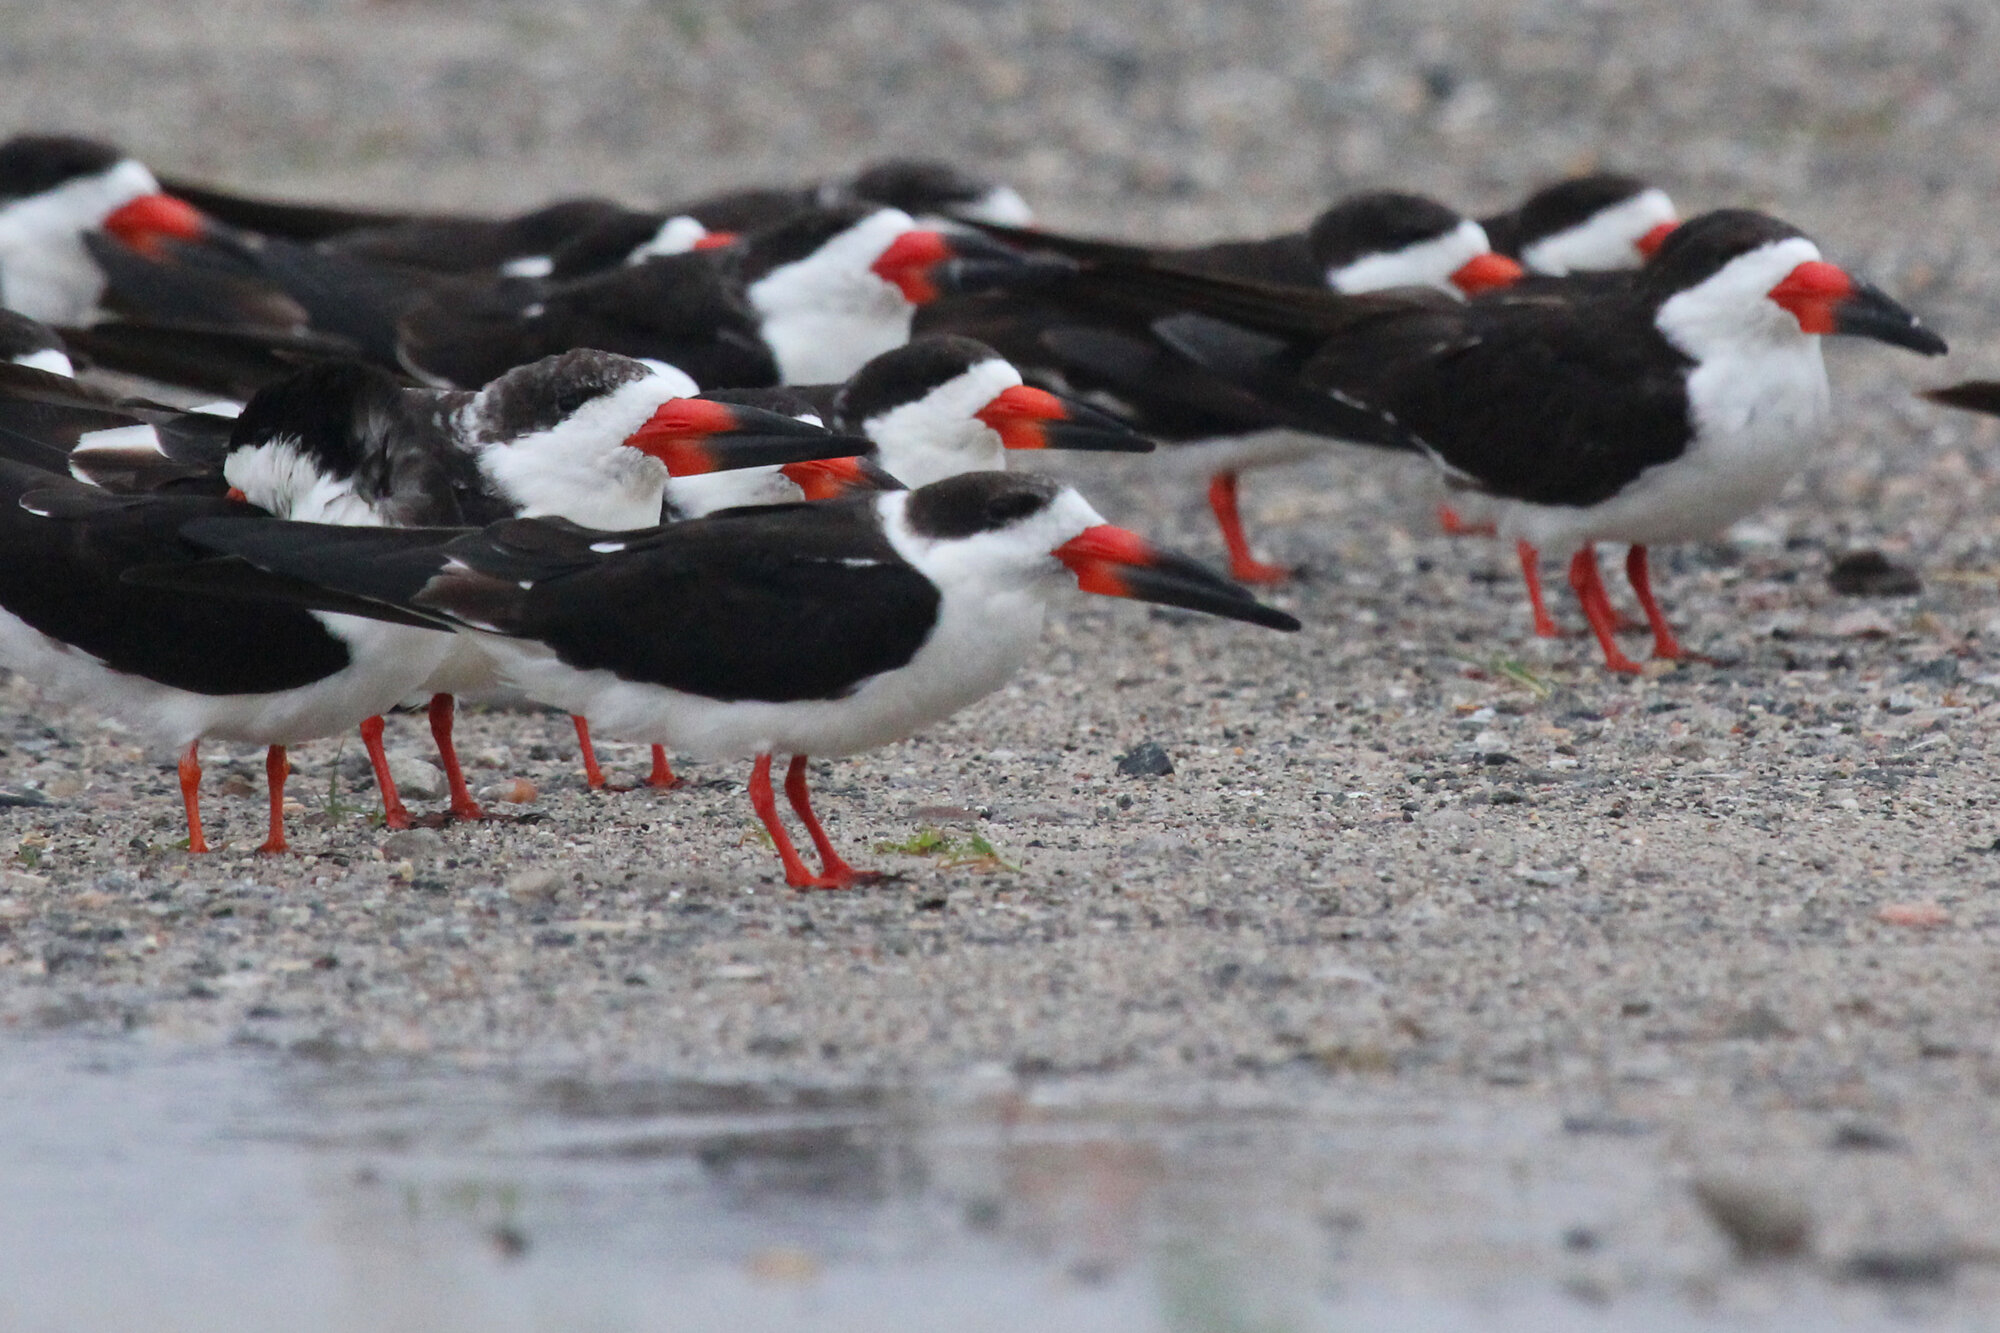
(1364, 243)
(931, 191)
(805, 302)
(796, 629)
(178, 666)
(933, 408)
(54, 192)
(1599, 223)
(1072, 335)
(1587, 226)
(1660, 409)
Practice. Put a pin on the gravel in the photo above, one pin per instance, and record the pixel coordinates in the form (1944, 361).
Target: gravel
(1735, 904)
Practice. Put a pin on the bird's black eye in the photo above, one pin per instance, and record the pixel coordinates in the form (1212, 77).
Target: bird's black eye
(1019, 504)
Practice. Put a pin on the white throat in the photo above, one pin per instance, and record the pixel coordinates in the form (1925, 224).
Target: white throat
(45, 273)
(580, 468)
(826, 315)
(937, 436)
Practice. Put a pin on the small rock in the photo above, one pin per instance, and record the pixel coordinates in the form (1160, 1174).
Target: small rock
(529, 885)
(738, 972)
(1920, 914)
(783, 1266)
(1853, 1137)
(1865, 624)
(1930, 1267)
(415, 778)
(1937, 671)
(1145, 760)
(17, 796)
(519, 791)
(1759, 1022)
(1872, 574)
(1038, 812)
(412, 845)
(1763, 1221)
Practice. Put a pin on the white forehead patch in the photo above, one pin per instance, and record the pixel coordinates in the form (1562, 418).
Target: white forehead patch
(1425, 264)
(676, 236)
(1607, 239)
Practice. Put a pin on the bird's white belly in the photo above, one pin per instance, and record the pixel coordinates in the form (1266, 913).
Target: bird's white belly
(966, 657)
(389, 661)
(1757, 421)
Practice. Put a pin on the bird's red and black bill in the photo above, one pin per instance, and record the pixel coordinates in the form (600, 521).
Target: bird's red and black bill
(1117, 562)
(1825, 299)
(693, 436)
(1486, 273)
(1031, 418)
(927, 264)
(832, 478)
(150, 219)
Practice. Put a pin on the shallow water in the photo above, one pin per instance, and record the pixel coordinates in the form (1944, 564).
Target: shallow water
(246, 1190)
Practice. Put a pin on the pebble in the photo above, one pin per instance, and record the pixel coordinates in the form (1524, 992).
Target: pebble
(1872, 574)
(1919, 914)
(417, 844)
(1762, 1220)
(1145, 760)
(416, 779)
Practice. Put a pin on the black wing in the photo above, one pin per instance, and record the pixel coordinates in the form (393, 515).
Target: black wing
(301, 222)
(62, 572)
(1555, 402)
(678, 308)
(779, 604)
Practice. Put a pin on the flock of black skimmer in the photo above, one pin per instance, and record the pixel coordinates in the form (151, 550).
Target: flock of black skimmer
(730, 477)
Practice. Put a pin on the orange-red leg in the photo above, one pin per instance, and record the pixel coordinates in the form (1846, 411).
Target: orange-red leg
(191, 796)
(1641, 577)
(834, 872)
(592, 774)
(1243, 566)
(394, 814)
(1531, 571)
(765, 803)
(1454, 526)
(1588, 584)
(462, 804)
(662, 775)
(276, 769)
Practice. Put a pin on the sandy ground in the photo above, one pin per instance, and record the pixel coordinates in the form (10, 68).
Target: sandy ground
(1745, 907)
